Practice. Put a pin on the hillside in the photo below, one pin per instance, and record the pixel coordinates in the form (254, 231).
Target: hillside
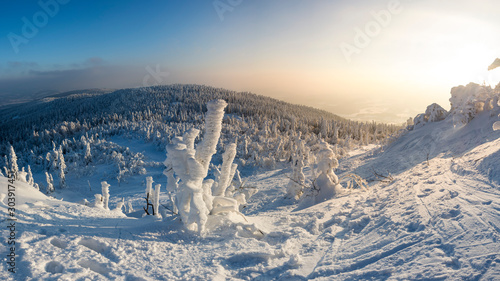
(430, 210)
(155, 115)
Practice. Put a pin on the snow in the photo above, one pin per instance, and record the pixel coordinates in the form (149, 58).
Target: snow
(435, 216)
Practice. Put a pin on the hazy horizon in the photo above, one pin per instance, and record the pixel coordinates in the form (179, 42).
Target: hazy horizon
(364, 60)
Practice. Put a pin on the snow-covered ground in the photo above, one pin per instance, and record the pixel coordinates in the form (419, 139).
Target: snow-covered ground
(433, 213)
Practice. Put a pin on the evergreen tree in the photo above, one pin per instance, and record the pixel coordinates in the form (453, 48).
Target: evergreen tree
(14, 169)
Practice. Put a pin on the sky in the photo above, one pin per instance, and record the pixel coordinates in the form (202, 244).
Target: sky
(382, 60)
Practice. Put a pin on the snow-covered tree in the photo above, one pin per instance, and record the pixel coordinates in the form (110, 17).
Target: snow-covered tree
(50, 183)
(466, 100)
(227, 171)
(295, 187)
(98, 201)
(326, 185)
(149, 187)
(156, 200)
(152, 197)
(62, 168)
(435, 113)
(14, 169)
(88, 155)
(105, 194)
(29, 178)
(191, 166)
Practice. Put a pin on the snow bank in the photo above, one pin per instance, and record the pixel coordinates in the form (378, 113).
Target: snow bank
(22, 192)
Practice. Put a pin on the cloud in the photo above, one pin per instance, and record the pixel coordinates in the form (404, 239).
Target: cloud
(21, 64)
(99, 76)
(94, 61)
(494, 65)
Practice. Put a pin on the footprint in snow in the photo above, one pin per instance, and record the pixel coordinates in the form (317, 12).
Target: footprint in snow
(95, 267)
(59, 243)
(54, 267)
(92, 244)
(99, 247)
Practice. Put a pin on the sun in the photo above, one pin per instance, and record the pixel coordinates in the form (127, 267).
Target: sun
(469, 63)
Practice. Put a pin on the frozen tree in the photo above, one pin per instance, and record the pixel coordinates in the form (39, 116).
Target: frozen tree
(62, 168)
(105, 194)
(14, 169)
(156, 200)
(419, 121)
(98, 201)
(21, 175)
(130, 209)
(326, 185)
(172, 183)
(50, 183)
(29, 179)
(149, 187)
(191, 166)
(435, 113)
(467, 101)
(295, 186)
(152, 195)
(227, 172)
(88, 155)
(120, 205)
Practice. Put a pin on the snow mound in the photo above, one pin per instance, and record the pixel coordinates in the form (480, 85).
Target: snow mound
(23, 193)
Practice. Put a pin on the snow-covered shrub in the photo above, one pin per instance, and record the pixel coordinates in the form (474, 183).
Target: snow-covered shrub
(326, 185)
(295, 187)
(152, 197)
(105, 195)
(149, 187)
(156, 200)
(327, 182)
(21, 175)
(130, 208)
(190, 165)
(98, 203)
(120, 205)
(467, 101)
(435, 113)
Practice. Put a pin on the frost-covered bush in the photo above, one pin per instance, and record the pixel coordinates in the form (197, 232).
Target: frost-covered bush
(467, 101)
(105, 195)
(295, 187)
(433, 113)
(326, 186)
(152, 198)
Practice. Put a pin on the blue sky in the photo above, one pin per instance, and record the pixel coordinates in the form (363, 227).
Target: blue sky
(287, 49)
